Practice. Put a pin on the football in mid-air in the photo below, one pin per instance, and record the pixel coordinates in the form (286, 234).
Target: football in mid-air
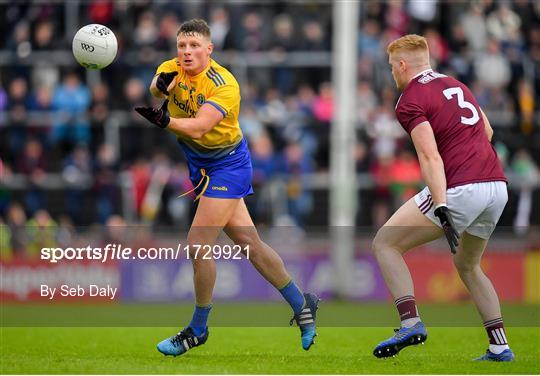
(94, 46)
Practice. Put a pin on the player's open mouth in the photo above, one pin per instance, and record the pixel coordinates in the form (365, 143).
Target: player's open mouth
(188, 61)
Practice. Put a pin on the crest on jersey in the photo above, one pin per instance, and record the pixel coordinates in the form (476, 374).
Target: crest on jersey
(200, 99)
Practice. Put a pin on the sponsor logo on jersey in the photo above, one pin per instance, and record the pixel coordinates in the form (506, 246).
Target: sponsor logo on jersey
(222, 188)
(184, 106)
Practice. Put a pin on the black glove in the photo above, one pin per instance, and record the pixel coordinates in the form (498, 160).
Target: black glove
(164, 80)
(448, 227)
(158, 116)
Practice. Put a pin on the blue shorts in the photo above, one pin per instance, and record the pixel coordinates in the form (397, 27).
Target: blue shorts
(228, 177)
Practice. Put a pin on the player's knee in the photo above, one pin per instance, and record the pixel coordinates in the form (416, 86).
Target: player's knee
(464, 267)
(379, 243)
(247, 239)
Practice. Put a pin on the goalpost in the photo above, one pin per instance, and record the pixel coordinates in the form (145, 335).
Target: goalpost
(343, 190)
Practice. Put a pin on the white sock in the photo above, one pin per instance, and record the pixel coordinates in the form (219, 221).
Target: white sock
(407, 323)
(497, 349)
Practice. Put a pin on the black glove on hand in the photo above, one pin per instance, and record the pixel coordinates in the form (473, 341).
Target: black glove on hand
(164, 80)
(158, 116)
(448, 227)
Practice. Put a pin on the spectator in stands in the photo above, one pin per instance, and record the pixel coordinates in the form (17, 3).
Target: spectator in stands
(323, 105)
(366, 101)
(252, 127)
(265, 163)
(381, 207)
(42, 233)
(100, 106)
(296, 165)
(16, 222)
(41, 102)
(77, 173)
(106, 183)
(314, 37)
(406, 177)
(526, 107)
(474, 26)
(396, 18)
(100, 11)
(146, 32)
(141, 173)
(306, 98)
(369, 40)
(43, 36)
(32, 163)
(168, 26)
(283, 40)
(459, 60)
(3, 98)
(385, 132)
(219, 27)
(17, 110)
(525, 175)
(135, 94)
(503, 23)
(251, 36)
(492, 68)
(6, 252)
(72, 101)
(20, 40)
(438, 47)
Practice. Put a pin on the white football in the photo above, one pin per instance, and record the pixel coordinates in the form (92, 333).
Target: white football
(94, 46)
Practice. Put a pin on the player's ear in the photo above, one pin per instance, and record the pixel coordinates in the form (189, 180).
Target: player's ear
(210, 48)
(402, 65)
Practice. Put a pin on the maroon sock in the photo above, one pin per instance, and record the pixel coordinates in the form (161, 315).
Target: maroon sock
(495, 332)
(406, 306)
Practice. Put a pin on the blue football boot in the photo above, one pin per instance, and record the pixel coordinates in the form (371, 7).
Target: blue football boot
(306, 320)
(506, 356)
(404, 337)
(182, 342)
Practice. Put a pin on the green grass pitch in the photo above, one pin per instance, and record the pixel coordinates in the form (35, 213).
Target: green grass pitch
(258, 350)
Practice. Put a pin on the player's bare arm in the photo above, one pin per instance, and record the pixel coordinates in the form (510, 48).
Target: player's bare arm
(431, 163)
(207, 118)
(487, 126)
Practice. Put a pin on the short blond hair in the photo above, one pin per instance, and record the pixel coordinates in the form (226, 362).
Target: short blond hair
(410, 42)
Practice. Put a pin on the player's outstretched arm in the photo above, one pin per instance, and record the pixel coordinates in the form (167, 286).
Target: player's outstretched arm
(487, 126)
(206, 118)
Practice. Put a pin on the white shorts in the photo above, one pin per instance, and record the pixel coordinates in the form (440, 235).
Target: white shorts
(475, 208)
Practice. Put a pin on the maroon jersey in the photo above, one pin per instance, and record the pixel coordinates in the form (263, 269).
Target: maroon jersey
(458, 126)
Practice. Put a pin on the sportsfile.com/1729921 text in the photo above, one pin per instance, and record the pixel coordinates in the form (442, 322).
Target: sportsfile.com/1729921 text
(119, 252)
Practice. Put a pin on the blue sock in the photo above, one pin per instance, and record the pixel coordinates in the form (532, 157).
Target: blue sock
(199, 319)
(293, 296)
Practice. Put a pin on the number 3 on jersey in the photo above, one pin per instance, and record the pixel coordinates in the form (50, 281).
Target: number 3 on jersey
(462, 103)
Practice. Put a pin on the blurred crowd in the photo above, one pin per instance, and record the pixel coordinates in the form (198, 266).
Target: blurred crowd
(54, 119)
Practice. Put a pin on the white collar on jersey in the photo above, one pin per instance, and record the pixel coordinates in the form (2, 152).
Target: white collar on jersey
(422, 73)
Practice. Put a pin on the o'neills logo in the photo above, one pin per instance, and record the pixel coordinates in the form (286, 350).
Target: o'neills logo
(222, 188)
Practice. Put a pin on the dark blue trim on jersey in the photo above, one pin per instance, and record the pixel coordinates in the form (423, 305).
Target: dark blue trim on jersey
(217, 75)
(218, 107)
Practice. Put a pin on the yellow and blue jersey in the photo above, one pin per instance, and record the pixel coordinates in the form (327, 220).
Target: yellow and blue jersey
(216, 86)
(219, 162)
